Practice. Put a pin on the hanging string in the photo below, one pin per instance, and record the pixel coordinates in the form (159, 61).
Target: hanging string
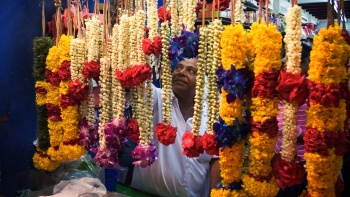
(338, 12)
(219, 9)
(203, 12)
(58, 5)
(43, 17)
(212, 13)
(97, 7)
(106, 22)
(260, 11)
(69, 32)
(267, 18)
(233, 7)
(343, 13)
(164, 8)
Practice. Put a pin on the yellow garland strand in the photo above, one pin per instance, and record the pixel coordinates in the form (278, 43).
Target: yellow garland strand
(263, 109)
(232, 159)
(256, 188)
(326, 118)
(230, 111)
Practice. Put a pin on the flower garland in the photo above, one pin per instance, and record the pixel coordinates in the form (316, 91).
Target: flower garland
(264, 111)
(174, 20)
(91, 67)
(70, 92)
(325, 144)
(40, 158)
(239, 11)
(293, 90)
(165, 132)
(189, 14)
(230, 130)
(152, 18)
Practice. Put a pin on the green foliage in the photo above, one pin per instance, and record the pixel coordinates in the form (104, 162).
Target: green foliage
(43, 130)
(40, 49)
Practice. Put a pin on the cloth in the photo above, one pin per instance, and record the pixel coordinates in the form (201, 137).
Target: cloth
(301, 126)
(174, 174)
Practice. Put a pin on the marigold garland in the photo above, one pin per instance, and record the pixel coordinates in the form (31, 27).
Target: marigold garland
(259, 188)
(327, 112)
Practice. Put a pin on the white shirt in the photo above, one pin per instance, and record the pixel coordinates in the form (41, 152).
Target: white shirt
(174, 174)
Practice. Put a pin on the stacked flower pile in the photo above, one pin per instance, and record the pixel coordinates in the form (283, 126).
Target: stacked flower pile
(325, 137)
(288, 171)
(258, 180)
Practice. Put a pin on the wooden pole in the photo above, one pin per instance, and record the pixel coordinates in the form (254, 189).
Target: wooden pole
(267, 18)
(233, 7)
(203, 12)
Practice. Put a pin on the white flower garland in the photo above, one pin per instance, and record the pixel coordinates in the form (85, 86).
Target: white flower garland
(152, 18)
(141, 91)
(214, 54)
(114, 61)
(77, 53)
(166, 74)
(94, 49)
(149, 110)
(180, 8)
(189, 14)
(140, 28)
(133, 41)
(293, 57)
(123, 38)
(198, 99)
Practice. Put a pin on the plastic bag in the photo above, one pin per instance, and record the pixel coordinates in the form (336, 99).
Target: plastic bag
(83, 187)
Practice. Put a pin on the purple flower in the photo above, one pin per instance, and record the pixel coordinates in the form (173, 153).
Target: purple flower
(144, 155)
(88, 134)
(106, 157)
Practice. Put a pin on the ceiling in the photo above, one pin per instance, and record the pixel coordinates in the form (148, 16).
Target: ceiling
(318, 8)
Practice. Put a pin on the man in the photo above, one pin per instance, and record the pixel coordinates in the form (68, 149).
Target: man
(174, 174)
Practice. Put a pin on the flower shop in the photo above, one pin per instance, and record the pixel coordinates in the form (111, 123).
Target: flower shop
(221, 98)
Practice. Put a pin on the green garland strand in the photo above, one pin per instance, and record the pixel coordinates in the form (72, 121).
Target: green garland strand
(41, 50)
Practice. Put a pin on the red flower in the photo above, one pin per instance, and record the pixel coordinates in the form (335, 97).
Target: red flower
(53, 112)
(269, 126)
(78, 90)
(64, 71)
(292, 87)
(40, 90)
(52, 78)
(327, 95)
(209, 144)
(320, 142)
(133, 130)
(166, 134)
(192, 145)
(150, 46)
(91, 70)
(287, 173)
(71, 142)
(265, 85)
(67, 100)
(161, 15)
(134, 76)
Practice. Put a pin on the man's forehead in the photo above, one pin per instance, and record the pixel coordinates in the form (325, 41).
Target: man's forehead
(189, 62)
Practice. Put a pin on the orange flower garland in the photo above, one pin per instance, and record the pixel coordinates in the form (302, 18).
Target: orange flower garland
(324, 135)
(267, 42)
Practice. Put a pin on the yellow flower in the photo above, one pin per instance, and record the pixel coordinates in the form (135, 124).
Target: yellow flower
(52, 95)
(53, 59)
(64, 87)
(231, 162)
(219, 192)
(267, 42)
(263, 109)
(44, 163)
(230, 111)
(257, 188)
(234, 47)
(326, 118)
(260, 154)
(321, 180)
(69, 123)
(329, 55)
(64, 48)
(56, 132)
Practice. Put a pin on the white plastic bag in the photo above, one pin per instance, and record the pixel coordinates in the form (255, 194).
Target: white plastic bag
(84, 187)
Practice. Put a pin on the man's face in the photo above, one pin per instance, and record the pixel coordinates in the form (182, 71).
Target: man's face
(184, 78)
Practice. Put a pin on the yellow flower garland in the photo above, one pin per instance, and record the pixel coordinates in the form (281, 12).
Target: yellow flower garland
(256, 188)
(219, 192)
(230, 111)
(232, 159)
(326, 118)
(234, 47)
(261, 153)
(323, 172)
(328, 57)
(263, 109)
(44, 163)
(40, 99)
